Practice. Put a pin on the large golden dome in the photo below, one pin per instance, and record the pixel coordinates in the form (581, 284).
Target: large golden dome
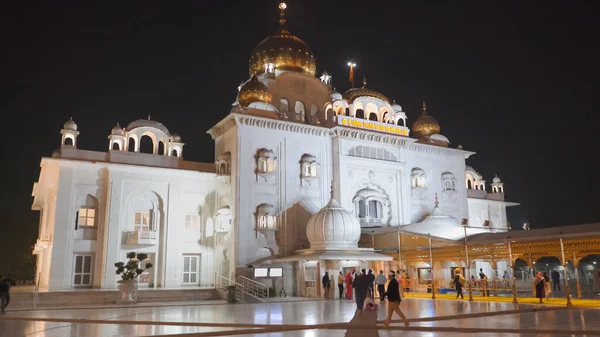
(425, 125)
(253, 91)
(284, 50)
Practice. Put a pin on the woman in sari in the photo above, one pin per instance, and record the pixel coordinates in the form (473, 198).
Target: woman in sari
(349, 280)
(540, 286)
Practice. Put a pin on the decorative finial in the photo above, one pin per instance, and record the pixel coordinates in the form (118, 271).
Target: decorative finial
(282, 20)
(71, 118)
(364, 81)
(424, 108)
(332, 193)
(436, 201)
(148, 116)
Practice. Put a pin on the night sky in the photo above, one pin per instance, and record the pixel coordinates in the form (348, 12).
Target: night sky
(512, 81)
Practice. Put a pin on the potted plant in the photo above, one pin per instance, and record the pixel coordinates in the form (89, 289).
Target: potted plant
(129, 273)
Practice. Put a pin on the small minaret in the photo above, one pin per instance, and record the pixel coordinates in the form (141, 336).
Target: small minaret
(69, 134)
(497, 185)
(116, 140)
(175, 146)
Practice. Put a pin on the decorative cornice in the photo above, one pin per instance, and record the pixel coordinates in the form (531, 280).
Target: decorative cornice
(434, 149)
(382, 138)
(266, 123)
(223, 126)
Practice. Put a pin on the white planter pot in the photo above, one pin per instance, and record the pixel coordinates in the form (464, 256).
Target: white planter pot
(128, 291)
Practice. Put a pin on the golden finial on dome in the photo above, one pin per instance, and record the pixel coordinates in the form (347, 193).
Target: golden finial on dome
(282, 20)
(364, 81)
(424, 108)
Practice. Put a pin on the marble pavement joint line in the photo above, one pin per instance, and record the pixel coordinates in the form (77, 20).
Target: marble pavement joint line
(332, 326)
(253, 325)
(478, 314)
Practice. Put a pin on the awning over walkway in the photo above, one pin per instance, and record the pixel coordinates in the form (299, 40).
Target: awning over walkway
(359, 254)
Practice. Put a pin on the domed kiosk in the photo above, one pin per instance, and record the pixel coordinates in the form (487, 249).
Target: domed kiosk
(333, 233)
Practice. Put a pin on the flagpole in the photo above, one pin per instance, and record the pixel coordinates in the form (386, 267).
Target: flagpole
(351, 77)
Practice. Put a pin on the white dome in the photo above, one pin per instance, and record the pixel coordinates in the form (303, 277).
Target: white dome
(335, 96)
(439, 220)
(70, 125)
(117, 130)
(496, 180)
(333, 228)
(439, 137)
(469, 168)
(176, 138)
(396, 107)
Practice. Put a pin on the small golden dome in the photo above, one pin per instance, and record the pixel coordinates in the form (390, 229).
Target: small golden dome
(425, 125)
(253, 91)
(284, 50)
(351, 94)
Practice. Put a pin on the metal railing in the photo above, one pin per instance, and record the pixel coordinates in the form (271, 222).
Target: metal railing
(254, 288)
(36, 290)
(222, 282)
(526, 275)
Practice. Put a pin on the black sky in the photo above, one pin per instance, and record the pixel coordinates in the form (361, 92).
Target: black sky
(513, 81)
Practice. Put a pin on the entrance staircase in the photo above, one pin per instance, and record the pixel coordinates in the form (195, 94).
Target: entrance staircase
(246, 290)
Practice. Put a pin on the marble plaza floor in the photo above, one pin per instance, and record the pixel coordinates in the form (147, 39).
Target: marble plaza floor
(305, 318)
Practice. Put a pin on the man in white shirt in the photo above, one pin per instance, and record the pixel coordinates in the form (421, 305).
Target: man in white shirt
(381, 280)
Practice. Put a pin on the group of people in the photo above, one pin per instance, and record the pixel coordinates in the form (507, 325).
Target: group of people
(362, 286)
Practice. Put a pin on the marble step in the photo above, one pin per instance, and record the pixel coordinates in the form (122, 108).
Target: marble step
(103, 297)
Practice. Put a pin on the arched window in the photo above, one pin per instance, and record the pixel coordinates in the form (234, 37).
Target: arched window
(161, 148)
(69, 141)
(448, 181)
(146, 144)
(116, 146)
(174, 153)
(362, 209)
(360, 113)
(222, 169)
(384, 117)
(495, 189)
(418, 177)
(266, 219)
(283, 106)
(400, 122)
(371, 206)
(300, 112)
(373, 116)
(469, 184)
(131, 144)
(308, 166)
(501, 189)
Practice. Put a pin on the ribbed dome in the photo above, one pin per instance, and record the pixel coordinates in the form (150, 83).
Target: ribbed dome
(148, 123)
(351, 94)
(438, 220)
(496, 180)
(335, 95)
(425, 125)
(284, 50)
(333, 228)
(253, 91)
(117, 130)
(70, 125)
(396, 107)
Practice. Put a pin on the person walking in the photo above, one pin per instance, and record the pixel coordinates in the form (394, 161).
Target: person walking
(371, 280)
(381, 279)
(326, 285)
(340, 282)
(5, 284)
(361, 286)
(458, 283)
(349, 281)
(539, 286)
(547, 286)
(394, 299)
(555, 279)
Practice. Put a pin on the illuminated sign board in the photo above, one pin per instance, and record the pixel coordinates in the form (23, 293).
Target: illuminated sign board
(373, 126)
(275, 272)
(261, 272)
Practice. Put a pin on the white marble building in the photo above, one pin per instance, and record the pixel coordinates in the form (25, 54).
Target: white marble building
(288, 137)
